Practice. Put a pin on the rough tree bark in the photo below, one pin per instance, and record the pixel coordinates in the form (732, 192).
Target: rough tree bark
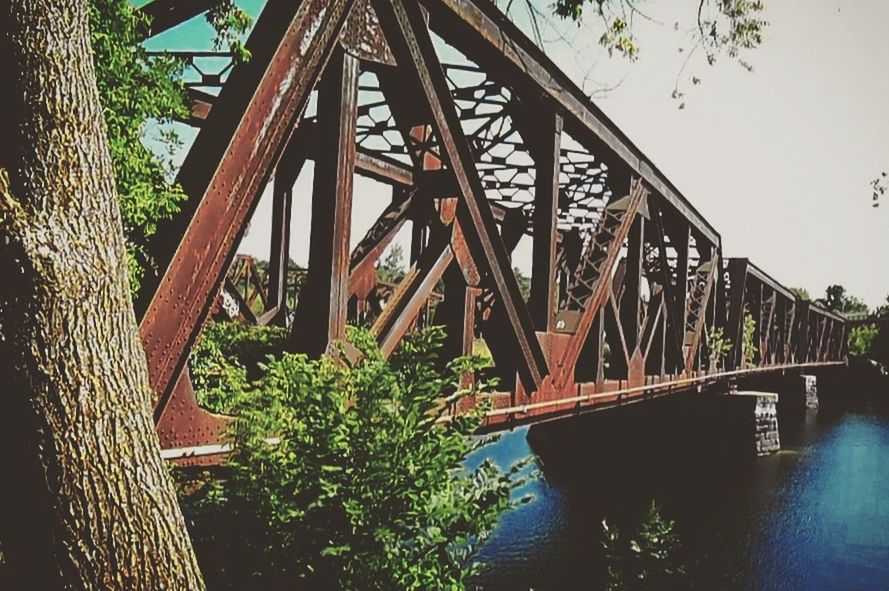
(75, 383)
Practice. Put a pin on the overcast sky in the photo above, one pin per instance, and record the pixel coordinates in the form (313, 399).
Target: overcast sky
(778, 160)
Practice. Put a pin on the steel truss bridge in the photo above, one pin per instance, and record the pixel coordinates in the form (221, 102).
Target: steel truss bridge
(483, 141)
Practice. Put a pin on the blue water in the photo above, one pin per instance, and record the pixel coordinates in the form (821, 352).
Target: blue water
(815, 516)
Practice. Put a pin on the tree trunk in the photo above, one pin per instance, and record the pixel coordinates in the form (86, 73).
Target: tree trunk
(106, 515)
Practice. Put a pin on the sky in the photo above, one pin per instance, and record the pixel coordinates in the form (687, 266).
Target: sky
(779, 159)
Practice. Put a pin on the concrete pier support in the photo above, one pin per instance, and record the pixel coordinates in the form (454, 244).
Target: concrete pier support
(810, 383)
(755, 418)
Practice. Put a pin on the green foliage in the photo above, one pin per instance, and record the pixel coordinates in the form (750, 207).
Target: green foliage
(349, 479)
(524, 283)
(227, 357)
(879, 186)
(748, 341)
(882, 311)
(801, 292)
(837, 299)
(724, 26)
(391, 268)
(230, 22)
(861, 341)
(139, 92)
(879, 350)
(719, 346)
(134, 89)
(648, 560)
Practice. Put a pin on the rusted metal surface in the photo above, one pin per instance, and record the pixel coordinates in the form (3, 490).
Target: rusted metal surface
(224, 172)
(485, 35)
(409, 40)
(363, 37)
(588, 291)
(321, 313)
(481, 151)
(183, 424)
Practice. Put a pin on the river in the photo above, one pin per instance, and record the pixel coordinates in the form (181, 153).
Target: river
(814, 516)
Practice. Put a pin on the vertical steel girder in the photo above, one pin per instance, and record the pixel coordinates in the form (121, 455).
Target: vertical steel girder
(287, 171)
(630, 302)
(547, 144)
(321, 312)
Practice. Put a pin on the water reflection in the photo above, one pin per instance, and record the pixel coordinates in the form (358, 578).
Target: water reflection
(814, 516)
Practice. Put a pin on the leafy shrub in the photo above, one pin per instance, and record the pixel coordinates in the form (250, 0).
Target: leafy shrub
(748, 342)
(647, 561)
(861, 340)
(343, 477)
(227, 357)
(719, 347)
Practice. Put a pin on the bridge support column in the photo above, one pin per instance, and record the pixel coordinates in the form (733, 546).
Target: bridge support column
(810, 384)
(753, 419)
(797, 392)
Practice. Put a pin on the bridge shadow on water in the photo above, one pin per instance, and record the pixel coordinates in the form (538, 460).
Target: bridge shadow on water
(813, 516)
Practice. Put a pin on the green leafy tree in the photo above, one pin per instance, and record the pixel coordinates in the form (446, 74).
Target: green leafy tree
(524, 283)
(227, 357)
(646, 561)
(391, 268)
(837, 299)
(135, 89)
(883, 310)
(861, 341)
(140, 93)
(344, 477)
(801, 292)
(879, 346)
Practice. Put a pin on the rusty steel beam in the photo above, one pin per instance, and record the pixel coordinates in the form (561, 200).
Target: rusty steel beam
(287, 171)
(322, 310)
(457, 314)
(379, 236)
(382, 169)
(486, 36)
(675, 308)
(547, 146)
(405, 28)
(612, 230)
(411, 294)
(224, 173)
(630, 298)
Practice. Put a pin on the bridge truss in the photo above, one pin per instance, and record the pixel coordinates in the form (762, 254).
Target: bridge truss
(483, 141)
